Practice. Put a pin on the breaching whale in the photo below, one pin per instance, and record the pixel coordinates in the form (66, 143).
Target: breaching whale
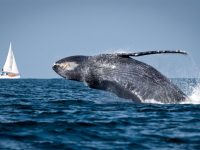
(121, 74)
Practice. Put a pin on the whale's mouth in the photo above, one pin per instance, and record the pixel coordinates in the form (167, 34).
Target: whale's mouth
(58, 68)
(55, 67)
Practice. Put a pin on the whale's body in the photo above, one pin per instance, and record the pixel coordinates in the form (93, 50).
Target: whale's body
(122, 75)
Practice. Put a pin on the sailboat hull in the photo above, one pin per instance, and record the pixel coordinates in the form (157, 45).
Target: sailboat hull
(8, 77)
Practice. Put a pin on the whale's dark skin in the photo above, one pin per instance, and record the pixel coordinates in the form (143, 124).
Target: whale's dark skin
(122, 75)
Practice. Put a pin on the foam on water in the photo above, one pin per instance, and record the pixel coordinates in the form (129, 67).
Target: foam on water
(152, 101)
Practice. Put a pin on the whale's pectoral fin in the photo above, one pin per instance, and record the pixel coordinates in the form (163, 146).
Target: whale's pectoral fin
(118, 90)
(136, 54)
(114, 88)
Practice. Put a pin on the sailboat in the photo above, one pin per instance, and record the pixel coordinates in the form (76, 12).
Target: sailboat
(10, 70)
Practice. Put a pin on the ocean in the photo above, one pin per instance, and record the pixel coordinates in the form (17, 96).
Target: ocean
(54, 114)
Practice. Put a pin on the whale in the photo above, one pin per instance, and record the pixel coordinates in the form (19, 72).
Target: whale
(123, 75)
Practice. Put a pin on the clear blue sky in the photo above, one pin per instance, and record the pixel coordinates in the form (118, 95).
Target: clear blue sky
(43, 31)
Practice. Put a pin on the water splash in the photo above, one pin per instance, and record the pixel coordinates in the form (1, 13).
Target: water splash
(195, 94)
(117, 50)
(153, 101)
(194, 97)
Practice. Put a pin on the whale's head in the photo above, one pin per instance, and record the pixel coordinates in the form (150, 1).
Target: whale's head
(70, 67)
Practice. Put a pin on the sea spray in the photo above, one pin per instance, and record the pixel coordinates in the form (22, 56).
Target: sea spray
(195, 96)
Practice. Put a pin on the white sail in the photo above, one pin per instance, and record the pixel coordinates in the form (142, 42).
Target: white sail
(14, 66)
(10, 65)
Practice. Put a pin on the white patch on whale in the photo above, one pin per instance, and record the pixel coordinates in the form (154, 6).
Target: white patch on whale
(107, 66)
(68, 65)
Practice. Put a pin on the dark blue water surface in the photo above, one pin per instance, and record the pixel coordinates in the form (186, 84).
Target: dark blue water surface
(60, 114)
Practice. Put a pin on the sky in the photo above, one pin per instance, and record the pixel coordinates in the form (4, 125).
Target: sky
(44, 31)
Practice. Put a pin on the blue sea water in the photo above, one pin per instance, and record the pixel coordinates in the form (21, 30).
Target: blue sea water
(60, 114)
